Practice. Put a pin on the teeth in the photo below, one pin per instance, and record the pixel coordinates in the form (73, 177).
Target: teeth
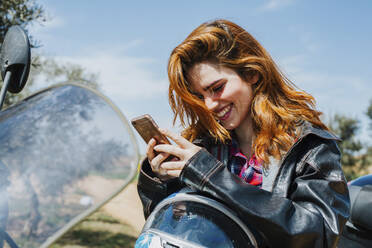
(223, 111)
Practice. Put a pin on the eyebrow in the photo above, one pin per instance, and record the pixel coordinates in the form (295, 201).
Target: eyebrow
(212, 84)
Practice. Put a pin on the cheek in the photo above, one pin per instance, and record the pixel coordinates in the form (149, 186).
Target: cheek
(231, 93)
(244, 100)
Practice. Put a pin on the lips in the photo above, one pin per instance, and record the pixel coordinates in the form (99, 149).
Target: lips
(224, 113)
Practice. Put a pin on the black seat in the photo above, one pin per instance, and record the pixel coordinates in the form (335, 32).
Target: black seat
(357, 231)
(361, 206)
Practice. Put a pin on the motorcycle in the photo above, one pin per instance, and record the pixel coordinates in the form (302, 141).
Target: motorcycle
(66, 150)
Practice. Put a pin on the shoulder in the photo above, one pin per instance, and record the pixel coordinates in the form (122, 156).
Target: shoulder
(317, 148)
(306, 129)
(325, 156)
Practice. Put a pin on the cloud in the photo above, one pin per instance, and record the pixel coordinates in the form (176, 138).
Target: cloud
(271, 5)
(342, 93)
(127, 77)
(130, 83)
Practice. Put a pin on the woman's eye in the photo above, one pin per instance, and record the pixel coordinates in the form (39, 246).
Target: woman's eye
(200, 96)
(218, 88)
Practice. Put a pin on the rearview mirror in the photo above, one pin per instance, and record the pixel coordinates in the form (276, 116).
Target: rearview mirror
(15, 59)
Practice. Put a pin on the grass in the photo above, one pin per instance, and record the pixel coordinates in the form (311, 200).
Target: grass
(99, 231)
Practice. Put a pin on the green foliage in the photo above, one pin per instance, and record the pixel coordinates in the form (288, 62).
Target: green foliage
(98, 230)
(346, 128)
(23, 13)
(367, 159)
(26, 13)
(369, 113)
(356, 156)
(52, 72)
(19, 12)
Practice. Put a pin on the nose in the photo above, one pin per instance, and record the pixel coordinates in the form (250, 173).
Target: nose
(210, 103)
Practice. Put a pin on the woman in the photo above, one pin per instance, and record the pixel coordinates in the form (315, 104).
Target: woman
(251, 140)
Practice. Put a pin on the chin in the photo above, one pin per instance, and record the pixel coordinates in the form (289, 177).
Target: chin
(229, 126)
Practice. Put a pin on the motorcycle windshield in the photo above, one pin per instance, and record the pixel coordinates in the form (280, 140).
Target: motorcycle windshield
(64, 152)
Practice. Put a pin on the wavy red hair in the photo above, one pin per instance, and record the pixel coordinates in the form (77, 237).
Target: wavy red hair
(277, 107)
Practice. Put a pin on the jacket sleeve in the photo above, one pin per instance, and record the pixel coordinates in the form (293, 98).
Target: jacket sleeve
(152, 190)
(312, 215)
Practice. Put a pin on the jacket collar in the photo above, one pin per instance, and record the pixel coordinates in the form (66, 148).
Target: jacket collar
(307, 128)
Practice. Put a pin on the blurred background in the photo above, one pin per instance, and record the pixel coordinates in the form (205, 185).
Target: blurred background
(121, 48)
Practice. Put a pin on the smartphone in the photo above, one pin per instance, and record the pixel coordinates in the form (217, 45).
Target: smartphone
(148, 129)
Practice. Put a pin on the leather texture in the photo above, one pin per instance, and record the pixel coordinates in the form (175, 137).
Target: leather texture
(361, 209)
(309, 203)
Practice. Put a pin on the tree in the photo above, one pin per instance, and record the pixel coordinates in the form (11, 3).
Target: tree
(19, 12)
(368, 156)
(346, 128)
(369, 112)
(23, 13)
(51, 72)
(26, 13)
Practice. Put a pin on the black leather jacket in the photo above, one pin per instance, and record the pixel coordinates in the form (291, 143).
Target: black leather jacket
(308, 204)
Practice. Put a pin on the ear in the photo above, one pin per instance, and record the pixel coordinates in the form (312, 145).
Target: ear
(254, 79)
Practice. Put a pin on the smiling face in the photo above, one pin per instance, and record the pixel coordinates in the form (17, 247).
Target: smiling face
(224, 92)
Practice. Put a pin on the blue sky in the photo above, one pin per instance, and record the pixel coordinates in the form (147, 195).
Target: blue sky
(324, 47)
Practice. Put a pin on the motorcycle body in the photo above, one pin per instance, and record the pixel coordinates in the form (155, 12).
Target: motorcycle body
(358, 229)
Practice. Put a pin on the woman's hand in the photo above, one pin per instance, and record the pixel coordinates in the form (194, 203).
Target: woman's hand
(156, 159)
(182, 151)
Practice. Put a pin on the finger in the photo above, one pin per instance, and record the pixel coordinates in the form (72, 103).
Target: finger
(170, 149)
(174, 173)
(178, 139)
(174, 158)
(156, 162)
(173, 165)
(150, 149)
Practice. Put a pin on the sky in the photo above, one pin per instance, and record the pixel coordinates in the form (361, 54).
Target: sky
(324, 47)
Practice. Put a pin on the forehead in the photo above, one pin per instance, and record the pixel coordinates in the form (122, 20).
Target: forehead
(202, 74)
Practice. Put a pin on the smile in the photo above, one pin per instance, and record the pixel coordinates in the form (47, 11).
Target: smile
(223, 114)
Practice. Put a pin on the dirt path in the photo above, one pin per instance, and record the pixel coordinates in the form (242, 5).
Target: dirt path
(127, 207)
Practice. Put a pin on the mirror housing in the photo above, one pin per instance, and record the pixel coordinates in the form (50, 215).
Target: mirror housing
(15, 57)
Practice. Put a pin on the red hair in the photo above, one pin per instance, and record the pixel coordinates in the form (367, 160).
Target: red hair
(277, 107)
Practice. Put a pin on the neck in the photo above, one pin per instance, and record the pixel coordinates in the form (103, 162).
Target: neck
(244, 134)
